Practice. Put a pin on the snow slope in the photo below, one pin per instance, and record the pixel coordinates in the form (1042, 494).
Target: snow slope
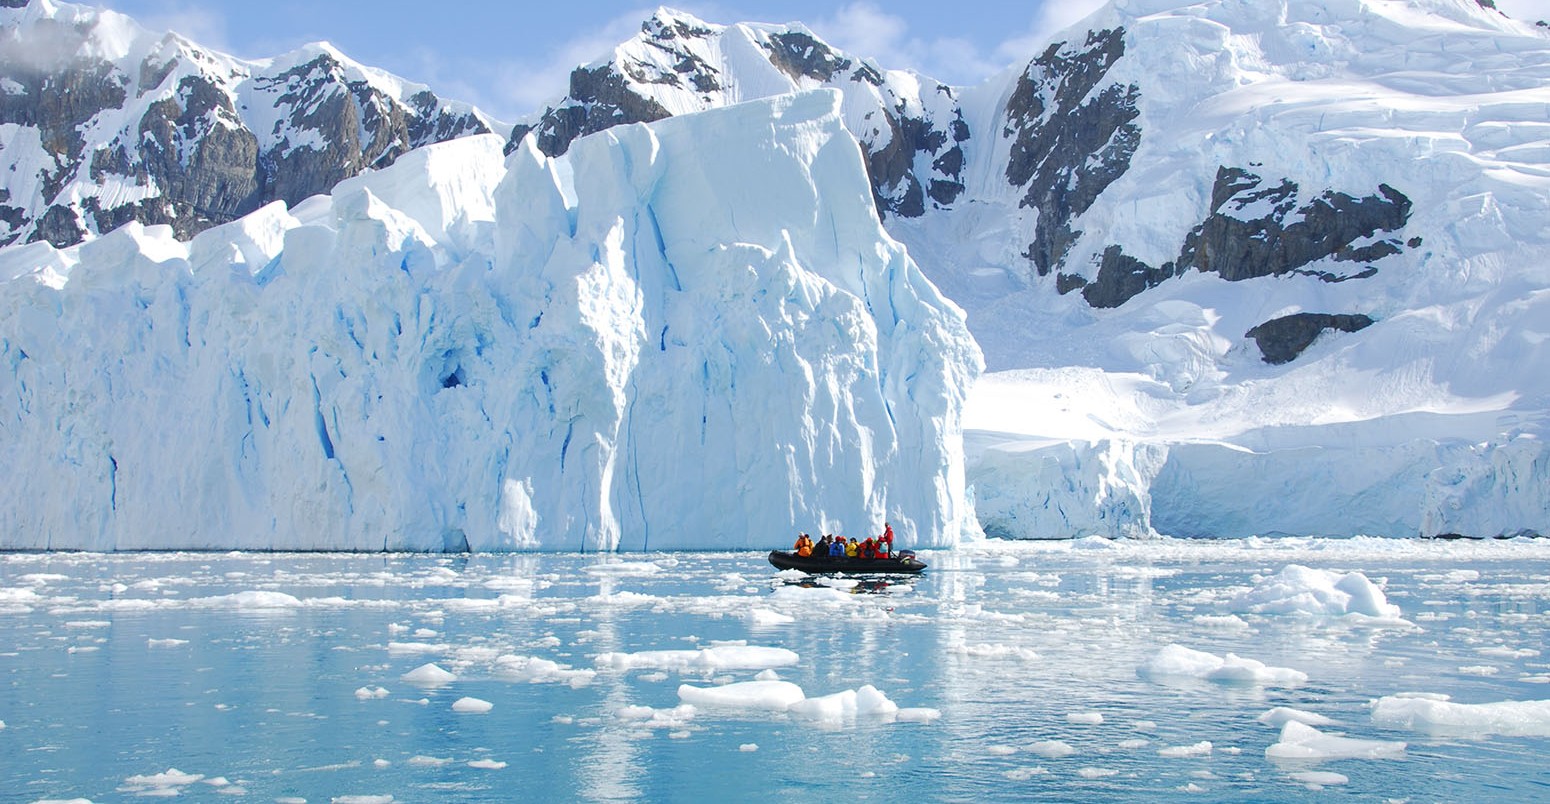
(1413, 380)
(692, 334)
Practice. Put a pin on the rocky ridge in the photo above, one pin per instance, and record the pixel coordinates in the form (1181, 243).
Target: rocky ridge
(103, 122)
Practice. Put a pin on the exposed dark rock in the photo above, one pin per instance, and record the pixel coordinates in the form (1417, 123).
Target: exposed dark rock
(599, 99)
(1282, 339)
(58, 226)
(13, 3)
(195, 147)
(801, 56)
(1066, 153)
(196, 150)
(1256, 230)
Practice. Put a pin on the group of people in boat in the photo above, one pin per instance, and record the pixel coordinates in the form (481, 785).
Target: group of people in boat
(831, 546)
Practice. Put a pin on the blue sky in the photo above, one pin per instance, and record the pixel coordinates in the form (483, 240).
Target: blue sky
(510, 57)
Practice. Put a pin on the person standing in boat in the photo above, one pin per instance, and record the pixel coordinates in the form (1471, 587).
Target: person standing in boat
(885, 542)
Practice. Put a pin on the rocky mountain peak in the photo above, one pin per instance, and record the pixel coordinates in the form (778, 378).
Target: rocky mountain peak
(115, 123)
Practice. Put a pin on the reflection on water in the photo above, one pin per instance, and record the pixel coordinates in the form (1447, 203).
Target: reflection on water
(281, 675)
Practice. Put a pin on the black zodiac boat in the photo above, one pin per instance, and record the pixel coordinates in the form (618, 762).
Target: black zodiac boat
(902, 563)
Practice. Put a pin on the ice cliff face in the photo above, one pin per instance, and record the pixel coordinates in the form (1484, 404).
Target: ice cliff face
(688, 334)
(103, 122)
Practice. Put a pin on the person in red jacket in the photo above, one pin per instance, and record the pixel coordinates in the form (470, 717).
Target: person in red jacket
(869, 548)
(885, 542)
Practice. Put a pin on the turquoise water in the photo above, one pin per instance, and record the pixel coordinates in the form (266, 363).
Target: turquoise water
(244, 669)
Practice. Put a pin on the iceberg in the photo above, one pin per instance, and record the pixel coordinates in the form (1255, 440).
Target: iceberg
(689, 334)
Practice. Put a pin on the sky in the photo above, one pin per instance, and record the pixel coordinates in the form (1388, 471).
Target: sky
(509, 58)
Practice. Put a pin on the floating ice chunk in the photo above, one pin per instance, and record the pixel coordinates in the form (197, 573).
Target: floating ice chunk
(763, 616)
(251, 600)
(171, 777)
(1504, 652)
(415, 648)
(773, 695)
(1433, 714)
(472, 706)
(647, 717)
(995, 651)
(1301, 741)
(1085, 718)
(1024, 774)
(1224, 621)
(1281, 715)
(167, 783)
(1096, 773)
(917, 714)
(839, 707)
(713, 659)
(165, 643)
(384, 799)
(1000, 750)
(1320, 778)
(535, 670)
(748, 748)
(1178, 661)
(1313, 592)
(422, 761)
(429, 675)
(624, 568)
(486, 764)
(1200, 749)
(370, 693)
(1479, 670)
(1051, 749)
(767, 675)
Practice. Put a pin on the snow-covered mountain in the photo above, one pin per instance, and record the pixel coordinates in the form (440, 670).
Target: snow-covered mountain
(1273, 266)
(1309, 296)
(909, 126)
(684, 335)
(103, 122)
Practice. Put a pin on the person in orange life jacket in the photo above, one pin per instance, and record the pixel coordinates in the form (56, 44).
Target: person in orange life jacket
(885, 542)
(804, 545)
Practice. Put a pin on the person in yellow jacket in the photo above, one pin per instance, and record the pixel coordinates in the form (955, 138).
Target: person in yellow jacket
(851, 548)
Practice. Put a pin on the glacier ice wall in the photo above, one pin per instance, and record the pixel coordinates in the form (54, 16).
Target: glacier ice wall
(693, 334)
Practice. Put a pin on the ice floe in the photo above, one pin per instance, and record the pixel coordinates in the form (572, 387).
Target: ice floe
(1437, 715)
(713, 659)
(1299, 590)
(472, 706)
(1177, 661)
(1300, 741)
(429, 675)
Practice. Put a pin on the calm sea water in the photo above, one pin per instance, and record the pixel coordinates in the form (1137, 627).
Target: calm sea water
(280, 676)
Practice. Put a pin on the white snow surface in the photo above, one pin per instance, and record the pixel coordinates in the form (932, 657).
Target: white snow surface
(1434, 715)
(1177, 661)
(1159, 416)
(689, 334)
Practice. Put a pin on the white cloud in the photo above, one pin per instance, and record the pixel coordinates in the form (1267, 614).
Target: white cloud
(1051, 18)
(195, 23)
(510, 88)
(863, 29)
